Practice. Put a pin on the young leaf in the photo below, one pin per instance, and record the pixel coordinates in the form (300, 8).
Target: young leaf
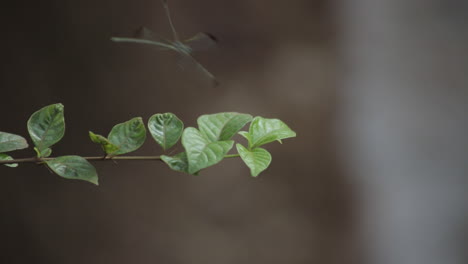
(257, 159)
(6, 157)
(222, 126)
(47, 126)
(177, 162)
(166, 129)
(201, 152)
(108, 147)
(74, 167)
(246, 135)
(46, 153)
(265, 130)
(10, 142)
(128, 136)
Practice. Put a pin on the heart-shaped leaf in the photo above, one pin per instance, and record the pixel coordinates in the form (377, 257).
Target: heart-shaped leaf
(74, 168)
(128, 136)
(47, 126)
(257, 159)
(6, 157)
(246, 135)
(10, 142)
(265, 130)
(201, 152)
(106, 145)
(177, 162)
(166, 129)
(222, 126)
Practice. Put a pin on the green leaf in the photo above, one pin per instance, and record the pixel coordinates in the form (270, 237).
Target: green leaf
(106, 145)
(246, 135)
(257, 159)
(10, 142)
(46, 153)
(6, 157)
(166, 129)
(177, 162)
(47, 126)
(265, 130)
(74, 167)
(222, 126)
(128, 136)
(201, 152)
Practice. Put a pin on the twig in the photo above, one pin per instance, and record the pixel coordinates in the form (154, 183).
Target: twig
(93, 158)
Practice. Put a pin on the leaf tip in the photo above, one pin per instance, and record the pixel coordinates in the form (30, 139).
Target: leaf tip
(94, 181)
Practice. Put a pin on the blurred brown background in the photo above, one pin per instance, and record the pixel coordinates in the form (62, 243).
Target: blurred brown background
(274, 59)
(376, 91)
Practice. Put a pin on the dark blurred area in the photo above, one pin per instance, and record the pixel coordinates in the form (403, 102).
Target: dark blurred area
(274, 59)
(376, 91)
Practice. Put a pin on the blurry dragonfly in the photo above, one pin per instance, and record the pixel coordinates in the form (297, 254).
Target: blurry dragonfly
(184, 48)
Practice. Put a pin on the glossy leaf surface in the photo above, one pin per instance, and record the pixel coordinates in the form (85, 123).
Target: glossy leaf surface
(106, 145)
(201, 152)
(74, 168)
(257, 159)
(10, 142)
(128, 136)
(222, 126)
(266, 130)
(47, 126)
(177, 162)
(166, 129)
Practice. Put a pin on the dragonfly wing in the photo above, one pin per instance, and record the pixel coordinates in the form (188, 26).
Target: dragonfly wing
(168, 14)
(186, 62)
(201, 41)
(147, 34)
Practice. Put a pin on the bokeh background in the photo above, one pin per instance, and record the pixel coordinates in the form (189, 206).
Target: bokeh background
(274, 59)
(376, 91)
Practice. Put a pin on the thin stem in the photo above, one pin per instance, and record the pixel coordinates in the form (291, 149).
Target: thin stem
(232, 156)
(93, 158)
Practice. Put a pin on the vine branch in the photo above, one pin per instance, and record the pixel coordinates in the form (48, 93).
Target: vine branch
(93, 158)
(204, 146)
